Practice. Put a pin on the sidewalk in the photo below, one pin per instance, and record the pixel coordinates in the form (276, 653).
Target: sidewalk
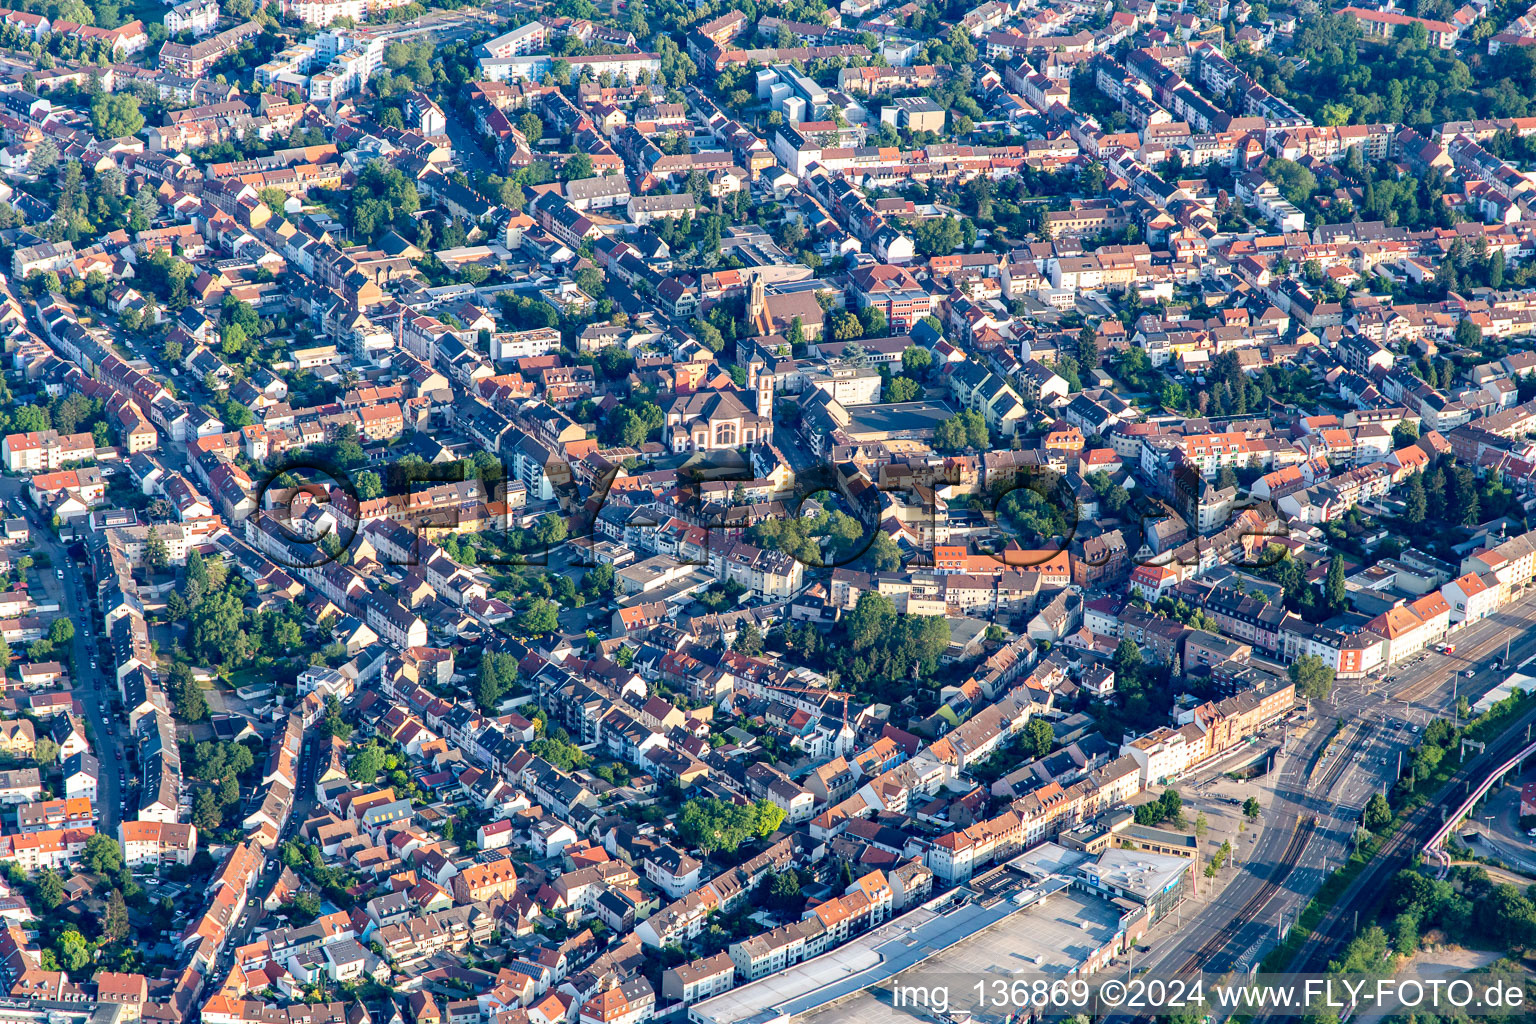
(1220, 799)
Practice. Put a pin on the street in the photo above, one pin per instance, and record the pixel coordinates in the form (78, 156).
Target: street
(1430, 683)
(466, 146)
(93, 688)
(303, 807)
(1382, 721)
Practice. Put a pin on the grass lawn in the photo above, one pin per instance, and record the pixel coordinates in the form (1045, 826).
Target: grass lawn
(148, 11)
(251, 677)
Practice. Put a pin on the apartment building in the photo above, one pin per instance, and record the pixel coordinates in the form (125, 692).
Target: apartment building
(42, 451)
(157, 843)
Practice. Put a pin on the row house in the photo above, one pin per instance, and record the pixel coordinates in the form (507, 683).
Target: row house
(955, 856)
(418, 938)
(41, 451)
(1473, 597)
(1512, 562)
(1230, 722)
(1409, 628)
(1351, 655)
(59, 849)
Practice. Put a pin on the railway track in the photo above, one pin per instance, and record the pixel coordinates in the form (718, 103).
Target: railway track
(1516, 617)
(1399, 850)
(1334, 771)
(1203, 958)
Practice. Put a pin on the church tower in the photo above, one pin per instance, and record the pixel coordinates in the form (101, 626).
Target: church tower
(757, 305)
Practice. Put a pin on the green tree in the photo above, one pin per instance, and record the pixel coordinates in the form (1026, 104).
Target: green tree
(333, 723)
(366, 764)
(1251, 809)
(232, 339)
(872, 319)
(749, 641)
(1414, 503)
(1087, 347)
(599, 581)
(207, 811)
(115, 924)
(1294, 181)
(1377, 814)
(116, 115)
(796, 335)
(712, 826)
(916, 361)
(976, 433)
(218, 635)
(1335, 591)
(1463, 505)
(61, 632)
(901, 389)
(550, 530)
(531, 127)
(187, 696)
(73, 952)
(883, 553)
(102, 855)
(767, 817)
(381, 195)
(1127, 660)
(710, 337)
(1468, 334)
(498, 677)
(540, 617)
(845, 326)
(1434, 493)
(781, 890)
(196, 571)
(1313, 676)
(50, 889)
(1037, 738)
(1404, 434)
(274, 199)
(1335, 114)
(577, 167)
(156, 555)
(45, 157)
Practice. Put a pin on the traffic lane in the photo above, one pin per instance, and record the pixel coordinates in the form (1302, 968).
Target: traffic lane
(1474, 645)
(1279, 819)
